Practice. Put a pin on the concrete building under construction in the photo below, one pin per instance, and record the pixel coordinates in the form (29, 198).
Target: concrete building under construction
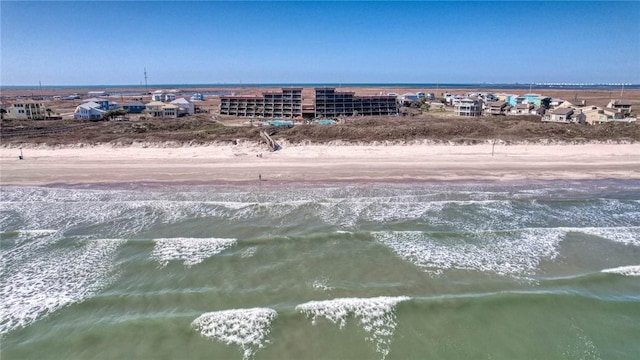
(285, 103)
(331, 103)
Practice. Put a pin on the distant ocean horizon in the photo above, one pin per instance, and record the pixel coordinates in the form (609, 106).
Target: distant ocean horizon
(505, 86)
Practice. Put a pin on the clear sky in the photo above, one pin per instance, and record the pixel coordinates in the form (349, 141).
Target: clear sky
(183, 42)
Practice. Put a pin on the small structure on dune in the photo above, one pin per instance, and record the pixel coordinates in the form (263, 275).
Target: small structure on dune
(272, 144)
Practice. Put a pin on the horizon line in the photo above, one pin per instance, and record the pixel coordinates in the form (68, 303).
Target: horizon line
(265, 84)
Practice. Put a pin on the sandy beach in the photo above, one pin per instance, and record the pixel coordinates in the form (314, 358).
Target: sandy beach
(249, 162)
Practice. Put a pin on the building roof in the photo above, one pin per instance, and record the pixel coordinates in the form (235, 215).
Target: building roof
(89, 105)
(620, 103)
(155, 103)
(181, 101)
(133, 103)
(497, 104)
(563, 111)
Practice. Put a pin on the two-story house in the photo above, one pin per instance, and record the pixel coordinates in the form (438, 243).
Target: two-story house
(468, 107)
(497, 108)
(565, 115)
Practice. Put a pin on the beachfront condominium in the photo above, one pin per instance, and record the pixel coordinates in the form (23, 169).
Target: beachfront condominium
(288, 103)
(276, 104)
(331, 103)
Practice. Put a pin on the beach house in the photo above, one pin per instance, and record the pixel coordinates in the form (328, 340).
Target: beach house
(159, 109)
(134, 107)
(185, 107)
(89, 111)
(496, 108)
(521, 109)
(94, 109)
(105, 104)
(26, 110)
(163, 96)
(597, 115)
(565, 115)
(623, 107)
(468, 107)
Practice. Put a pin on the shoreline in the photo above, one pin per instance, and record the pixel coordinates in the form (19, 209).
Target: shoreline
(249, 164)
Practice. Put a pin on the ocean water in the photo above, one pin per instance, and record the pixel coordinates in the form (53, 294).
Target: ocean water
(535, 270)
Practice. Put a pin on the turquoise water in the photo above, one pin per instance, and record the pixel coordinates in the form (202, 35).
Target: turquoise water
(538, 270)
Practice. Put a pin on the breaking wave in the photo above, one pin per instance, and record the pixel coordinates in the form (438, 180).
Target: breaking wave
(192, 250)
(517, 252)
(376, 316)
(246, 328)
(632, 270)
(48, 281)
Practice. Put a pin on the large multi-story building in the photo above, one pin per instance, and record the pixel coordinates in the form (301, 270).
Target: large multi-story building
(26, 110)
(288, 103)
(332, 103)
(285, 103)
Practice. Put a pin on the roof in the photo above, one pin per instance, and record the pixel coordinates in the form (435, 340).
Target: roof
(620, 102)
(563, 111)
(90, 105)
(497, 104)
(155, 103)
(133, 103)
(181, 101)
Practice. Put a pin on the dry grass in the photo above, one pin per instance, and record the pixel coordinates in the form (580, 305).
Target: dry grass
(202, 130)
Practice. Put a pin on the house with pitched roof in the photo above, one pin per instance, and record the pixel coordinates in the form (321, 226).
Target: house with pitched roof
(94, 109)
(521, 109)
(89, 111)
(105, 104)
(159, 109)
(497, 108)
(597, 115)
(185, 106)
(565, 115)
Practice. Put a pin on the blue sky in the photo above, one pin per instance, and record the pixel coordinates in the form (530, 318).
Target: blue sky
(183, 42)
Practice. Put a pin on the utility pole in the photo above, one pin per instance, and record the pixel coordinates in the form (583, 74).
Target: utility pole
(145, 81)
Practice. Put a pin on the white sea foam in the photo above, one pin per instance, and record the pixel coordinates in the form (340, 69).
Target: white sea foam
(191, 250)
(516, 252)
(26, 244)
(247, 328)
(582, 347)
(248, 252)
(632, 270)
(376, 316)
(50, 281)
(322, 284)
(26, 235)
(628, 235)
